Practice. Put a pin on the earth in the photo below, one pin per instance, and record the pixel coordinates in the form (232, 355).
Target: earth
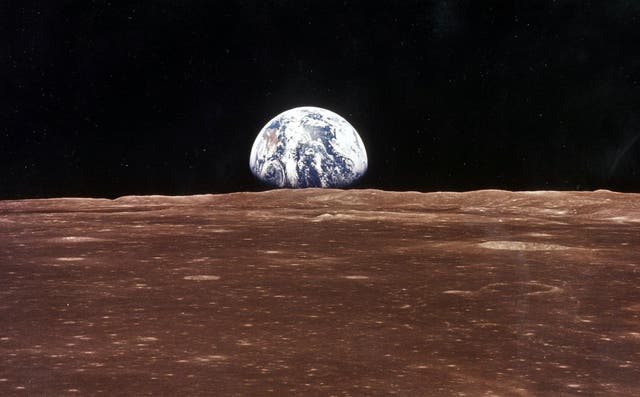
(308, 147)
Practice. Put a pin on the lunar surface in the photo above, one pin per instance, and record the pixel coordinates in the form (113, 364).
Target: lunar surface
(322, 292)
(308, 147)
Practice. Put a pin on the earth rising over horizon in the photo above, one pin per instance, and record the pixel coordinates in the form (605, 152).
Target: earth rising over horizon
(308, 147)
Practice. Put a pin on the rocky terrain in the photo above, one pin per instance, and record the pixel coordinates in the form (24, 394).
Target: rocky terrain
(322, 292)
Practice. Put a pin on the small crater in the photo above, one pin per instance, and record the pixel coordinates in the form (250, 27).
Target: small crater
(633, 308)
(522, 246)
(206, 359)
(76, 239)
(356, 277)
(202, 277)
(520, 288)
(534, 234)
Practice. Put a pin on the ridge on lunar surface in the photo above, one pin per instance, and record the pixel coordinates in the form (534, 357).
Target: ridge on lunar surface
(322, 292)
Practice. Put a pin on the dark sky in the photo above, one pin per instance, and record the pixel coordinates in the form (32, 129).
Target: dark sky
(106, 98)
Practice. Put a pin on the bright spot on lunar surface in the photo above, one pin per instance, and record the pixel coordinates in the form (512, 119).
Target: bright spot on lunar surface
(308, 147)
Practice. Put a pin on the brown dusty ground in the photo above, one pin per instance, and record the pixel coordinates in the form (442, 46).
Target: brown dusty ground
(322, 292)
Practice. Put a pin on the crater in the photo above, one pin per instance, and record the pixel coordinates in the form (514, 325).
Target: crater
(530, 288)
(202, 277)
(522, 246)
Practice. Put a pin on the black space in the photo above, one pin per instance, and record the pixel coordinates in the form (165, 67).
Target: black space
(103, 98)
